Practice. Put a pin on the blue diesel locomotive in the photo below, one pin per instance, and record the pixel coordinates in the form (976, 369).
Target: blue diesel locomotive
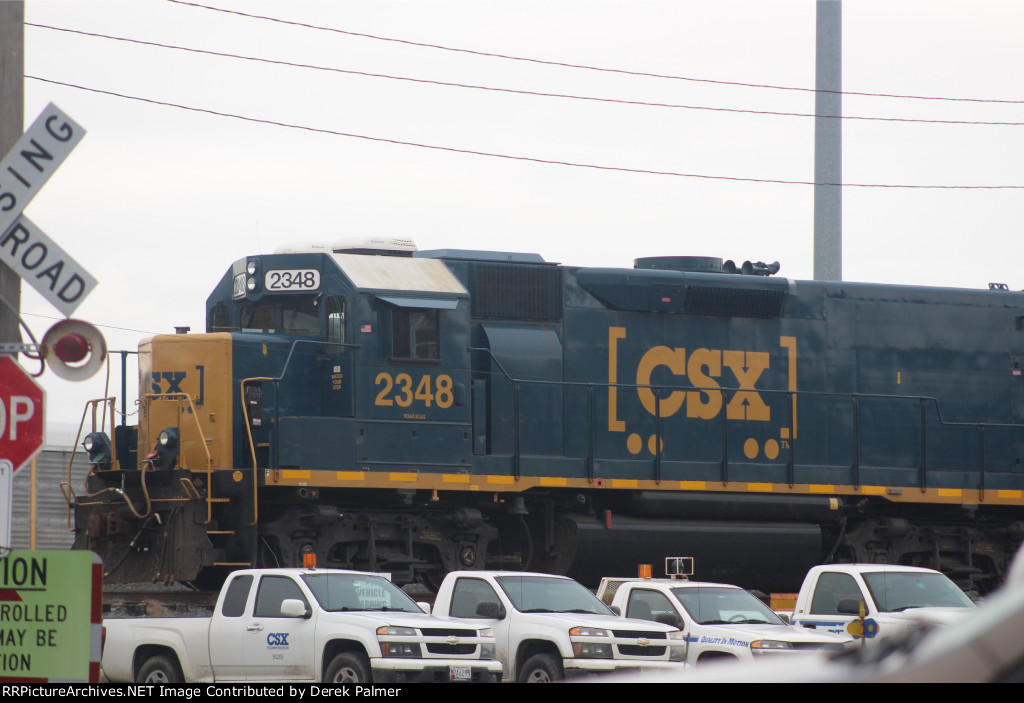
(377, 407)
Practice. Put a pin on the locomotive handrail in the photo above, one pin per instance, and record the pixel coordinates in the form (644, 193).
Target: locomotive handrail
(854, 398)
(109, 401)
(252, 447)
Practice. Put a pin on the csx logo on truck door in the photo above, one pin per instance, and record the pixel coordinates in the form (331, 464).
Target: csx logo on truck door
(703, 368)
(277, 639)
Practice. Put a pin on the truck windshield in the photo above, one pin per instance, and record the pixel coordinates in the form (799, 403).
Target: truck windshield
(719, 606)
(895, 591)
(540, 594)
(348, 592)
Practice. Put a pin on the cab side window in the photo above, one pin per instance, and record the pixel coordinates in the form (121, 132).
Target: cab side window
(335, 311)
(415, 334)
(219, 318)
(236, 597)
(467, 594)
(274, 590)
(650, 605)
(832, 588)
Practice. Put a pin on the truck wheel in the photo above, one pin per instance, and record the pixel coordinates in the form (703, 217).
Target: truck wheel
(541, 668)
(348, 667)
(160, 669)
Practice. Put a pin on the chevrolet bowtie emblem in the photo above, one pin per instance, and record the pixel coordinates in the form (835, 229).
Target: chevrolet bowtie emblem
(643, 641)
(452, 640)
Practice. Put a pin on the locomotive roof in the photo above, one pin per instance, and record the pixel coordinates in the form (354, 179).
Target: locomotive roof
(399, 274)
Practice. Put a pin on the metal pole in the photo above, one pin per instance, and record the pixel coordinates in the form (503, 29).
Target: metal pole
(828, 144)
(12, 124)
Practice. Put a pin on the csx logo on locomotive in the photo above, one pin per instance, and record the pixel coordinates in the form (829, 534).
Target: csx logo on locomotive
(706, 372)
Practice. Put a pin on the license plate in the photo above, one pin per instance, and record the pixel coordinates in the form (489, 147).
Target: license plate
(460, 672)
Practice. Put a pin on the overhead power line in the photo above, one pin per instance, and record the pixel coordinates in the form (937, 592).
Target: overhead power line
(583, 66)
(512, 157)
(293, 64)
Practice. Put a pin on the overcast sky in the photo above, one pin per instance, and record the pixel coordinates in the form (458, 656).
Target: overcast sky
(157, 201)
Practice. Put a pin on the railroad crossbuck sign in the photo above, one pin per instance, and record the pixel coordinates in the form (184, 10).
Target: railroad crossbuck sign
(23, 246)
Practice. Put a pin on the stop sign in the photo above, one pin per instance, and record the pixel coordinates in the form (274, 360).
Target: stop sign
(21, 414)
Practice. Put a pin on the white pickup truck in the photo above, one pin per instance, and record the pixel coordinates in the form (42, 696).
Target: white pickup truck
(312, 625)
(719, 620)
(895, 598)
(550, 627)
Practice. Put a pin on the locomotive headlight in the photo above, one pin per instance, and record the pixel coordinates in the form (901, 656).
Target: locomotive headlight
(250, 267)
(250, 284)
(168, 438)
(165, 455)
(97, 445)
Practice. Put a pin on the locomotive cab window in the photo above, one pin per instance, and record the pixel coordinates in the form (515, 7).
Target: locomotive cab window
(220, 318)
(415, 334)
(335, 311)
(258, 318)
(300, 316)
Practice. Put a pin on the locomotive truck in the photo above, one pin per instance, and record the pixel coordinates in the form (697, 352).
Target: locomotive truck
(418, 412)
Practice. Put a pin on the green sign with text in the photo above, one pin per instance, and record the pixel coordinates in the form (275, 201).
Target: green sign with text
(50, 616)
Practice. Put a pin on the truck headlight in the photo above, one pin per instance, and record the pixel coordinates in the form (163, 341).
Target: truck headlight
(486, 650)
(587, 632)
(759, 646)
(590, 650)
(407, 650)
(677, 646)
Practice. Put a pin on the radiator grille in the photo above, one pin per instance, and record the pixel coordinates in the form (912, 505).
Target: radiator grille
(509, 291)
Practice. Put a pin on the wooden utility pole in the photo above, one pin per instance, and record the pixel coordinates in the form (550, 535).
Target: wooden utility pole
(12, 125)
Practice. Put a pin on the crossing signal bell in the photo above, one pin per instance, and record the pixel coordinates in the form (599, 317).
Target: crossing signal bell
(73, 349)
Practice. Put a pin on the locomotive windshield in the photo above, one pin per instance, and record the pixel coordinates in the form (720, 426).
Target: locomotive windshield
(291, 316)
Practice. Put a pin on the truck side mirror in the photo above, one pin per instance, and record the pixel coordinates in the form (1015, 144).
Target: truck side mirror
(616, 609)
(295, 608)
(848, 606)
(672, 619)
(491, 610)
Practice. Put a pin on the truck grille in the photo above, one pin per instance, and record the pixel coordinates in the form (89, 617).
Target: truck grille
(446, 631)
(635, 650)
(451, 648)
(640, 633)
